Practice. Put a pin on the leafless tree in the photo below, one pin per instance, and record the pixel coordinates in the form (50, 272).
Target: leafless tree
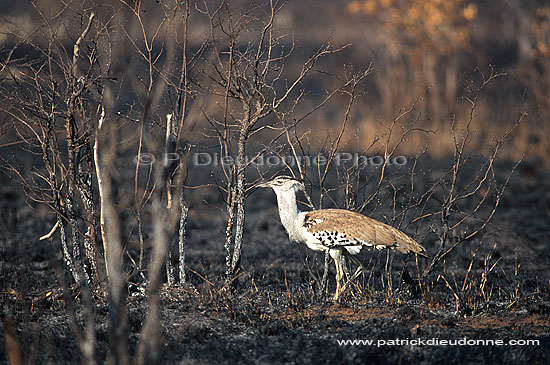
(248, 76)
(43, 97)
(65, 108)
(460, 220)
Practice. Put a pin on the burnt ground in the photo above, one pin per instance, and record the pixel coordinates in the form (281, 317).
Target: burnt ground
(273, 314)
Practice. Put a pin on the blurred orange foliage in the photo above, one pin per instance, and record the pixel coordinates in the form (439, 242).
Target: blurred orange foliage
(540, 31)
(536, 70)
(437, 25)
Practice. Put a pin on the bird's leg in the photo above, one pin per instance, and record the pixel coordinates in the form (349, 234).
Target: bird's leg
(358, 272)
(338, 264)
(346, 278)
(345, 267)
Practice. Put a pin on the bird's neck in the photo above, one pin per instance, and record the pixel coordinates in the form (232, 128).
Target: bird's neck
(288, 210)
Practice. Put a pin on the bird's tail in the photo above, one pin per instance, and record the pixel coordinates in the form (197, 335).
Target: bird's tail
(406, 244)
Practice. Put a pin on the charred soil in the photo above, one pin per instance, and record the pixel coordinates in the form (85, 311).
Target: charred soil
(273, 313)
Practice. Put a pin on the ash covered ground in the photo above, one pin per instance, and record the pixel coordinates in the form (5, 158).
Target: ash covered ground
(274, 315)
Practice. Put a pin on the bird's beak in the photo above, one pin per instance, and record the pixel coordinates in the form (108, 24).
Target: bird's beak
(263, 184)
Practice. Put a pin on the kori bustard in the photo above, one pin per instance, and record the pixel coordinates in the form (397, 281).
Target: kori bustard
(338, 231)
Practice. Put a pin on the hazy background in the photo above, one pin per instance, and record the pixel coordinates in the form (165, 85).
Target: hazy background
(430, 50)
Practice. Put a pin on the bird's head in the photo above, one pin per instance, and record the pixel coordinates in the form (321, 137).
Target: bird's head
(283, 184)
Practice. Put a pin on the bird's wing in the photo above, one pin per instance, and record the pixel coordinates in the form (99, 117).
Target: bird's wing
(339, 227)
